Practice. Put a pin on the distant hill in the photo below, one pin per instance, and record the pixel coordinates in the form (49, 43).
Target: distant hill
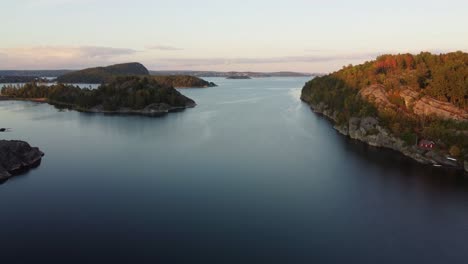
(21, 79)
(229, 74)
(103, 74)
(34, 73)
(243, 77)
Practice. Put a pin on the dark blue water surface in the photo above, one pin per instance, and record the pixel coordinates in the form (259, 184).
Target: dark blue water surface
(250, 175)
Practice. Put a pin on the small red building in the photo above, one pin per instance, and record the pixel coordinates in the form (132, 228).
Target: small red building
(426, 144)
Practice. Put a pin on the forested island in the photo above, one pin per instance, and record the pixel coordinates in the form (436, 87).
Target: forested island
(183, 81)
(415, 104)
(240, 77)
(141, 95)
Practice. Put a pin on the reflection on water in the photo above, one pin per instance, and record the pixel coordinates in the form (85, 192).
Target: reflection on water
(250, 175)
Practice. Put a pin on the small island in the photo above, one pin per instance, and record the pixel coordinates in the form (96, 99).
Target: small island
(183, 81)
(414, 104)
(140, 95)
(238, 77)
(16, 157)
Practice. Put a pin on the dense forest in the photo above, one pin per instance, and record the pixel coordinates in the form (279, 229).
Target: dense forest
(103, 74)
(133, 92)
(444, 77)
(432, 77)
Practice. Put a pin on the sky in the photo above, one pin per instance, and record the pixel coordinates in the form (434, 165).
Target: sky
(256, 35)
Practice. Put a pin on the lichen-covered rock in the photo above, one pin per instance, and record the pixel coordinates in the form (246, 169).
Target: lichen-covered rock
(17, 155)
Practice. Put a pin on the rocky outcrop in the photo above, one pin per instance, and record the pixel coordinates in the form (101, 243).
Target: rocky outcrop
(16, 156)
(428, 106)
(377, 95)
(368, 130)
(421, 105)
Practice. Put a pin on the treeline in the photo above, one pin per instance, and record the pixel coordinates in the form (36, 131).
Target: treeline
(182, 81)
(443, 77)
(338, 96)
(123, 92)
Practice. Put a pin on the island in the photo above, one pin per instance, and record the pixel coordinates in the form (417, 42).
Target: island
(414, 104)
(106, 74)
(239, 77)
(16, 157)
(183, 81)
(141, 95)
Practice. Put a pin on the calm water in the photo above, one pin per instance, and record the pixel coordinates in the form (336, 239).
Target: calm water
(249, 175)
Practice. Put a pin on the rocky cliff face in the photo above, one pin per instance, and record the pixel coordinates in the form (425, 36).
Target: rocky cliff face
(16, 156)
(421, 105)
(428, 106)
(377, 95)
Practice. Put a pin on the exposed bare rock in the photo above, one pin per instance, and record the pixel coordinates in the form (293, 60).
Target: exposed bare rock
(377, 95)
(17, 155)
(429, 106)
(410, 96)
(421, 105)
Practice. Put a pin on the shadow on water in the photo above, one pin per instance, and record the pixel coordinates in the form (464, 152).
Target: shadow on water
(395, 164)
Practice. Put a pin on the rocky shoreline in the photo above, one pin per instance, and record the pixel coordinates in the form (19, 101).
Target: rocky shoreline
(17, 156)
(369, 131)
(152, 110)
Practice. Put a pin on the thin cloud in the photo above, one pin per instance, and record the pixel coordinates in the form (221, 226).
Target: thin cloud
(164, 48)
(101, 52)
(61, 56)
(52, 3)
(271, 60)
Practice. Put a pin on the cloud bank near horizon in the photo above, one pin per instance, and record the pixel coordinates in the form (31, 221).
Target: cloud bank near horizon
(78, 57)
(61, 57)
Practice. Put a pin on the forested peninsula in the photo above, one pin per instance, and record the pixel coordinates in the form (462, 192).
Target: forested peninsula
(415, 104)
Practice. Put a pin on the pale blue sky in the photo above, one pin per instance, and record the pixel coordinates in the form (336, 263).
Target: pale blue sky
(260, 35)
